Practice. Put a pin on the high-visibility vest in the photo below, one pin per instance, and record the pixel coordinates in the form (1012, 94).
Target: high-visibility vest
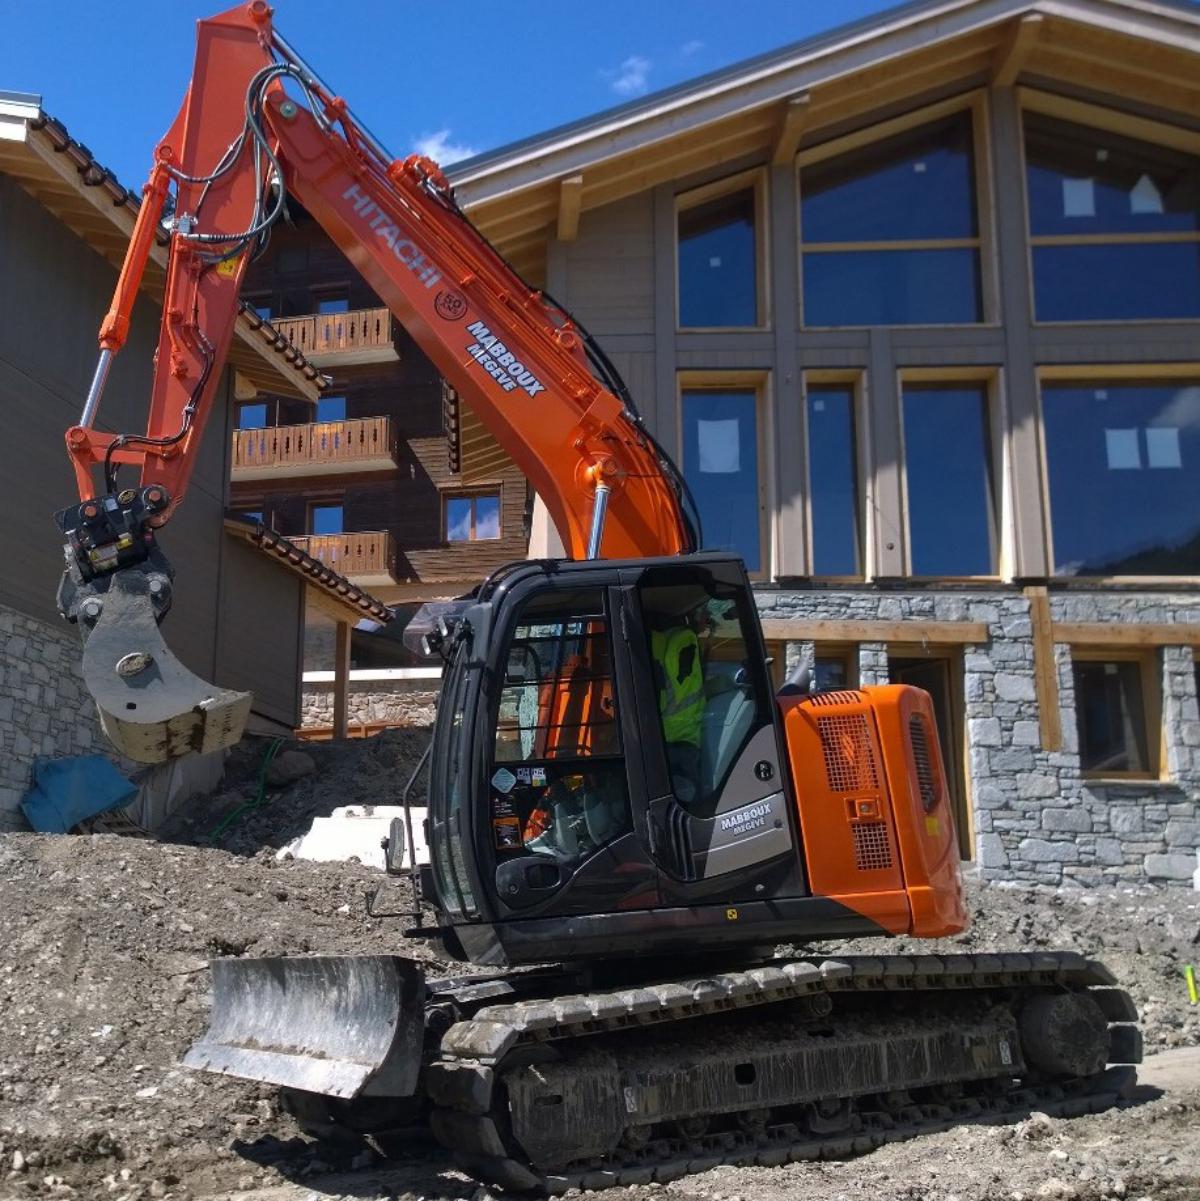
(681, 683)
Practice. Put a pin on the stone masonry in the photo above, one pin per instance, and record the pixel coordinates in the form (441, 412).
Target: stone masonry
(396, 702)
(44, 708)
(1035, 817)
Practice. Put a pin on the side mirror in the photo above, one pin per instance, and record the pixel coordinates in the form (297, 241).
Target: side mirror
(394, 846)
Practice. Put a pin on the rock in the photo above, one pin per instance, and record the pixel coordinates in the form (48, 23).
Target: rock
(18, 1162)
(290, 766)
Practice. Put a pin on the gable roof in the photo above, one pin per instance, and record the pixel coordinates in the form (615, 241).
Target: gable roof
(63, 175)
(1143, 50)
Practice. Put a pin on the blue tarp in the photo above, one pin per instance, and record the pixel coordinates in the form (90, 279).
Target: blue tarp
(68, 791)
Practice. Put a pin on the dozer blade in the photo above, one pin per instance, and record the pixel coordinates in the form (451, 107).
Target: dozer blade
(151, 707)
(337, 1025)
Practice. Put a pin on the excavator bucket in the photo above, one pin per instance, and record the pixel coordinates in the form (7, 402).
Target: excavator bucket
(337, 1025)
(151, 707)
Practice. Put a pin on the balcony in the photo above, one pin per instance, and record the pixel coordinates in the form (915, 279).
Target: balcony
(366, 558)
(341, 339)
(322, 448)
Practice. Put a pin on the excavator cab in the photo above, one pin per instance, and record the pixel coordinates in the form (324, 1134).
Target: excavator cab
(577, 792)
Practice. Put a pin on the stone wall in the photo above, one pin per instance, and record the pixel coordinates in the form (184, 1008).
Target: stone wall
(44, 708)
(1035, 816)
(397, 702)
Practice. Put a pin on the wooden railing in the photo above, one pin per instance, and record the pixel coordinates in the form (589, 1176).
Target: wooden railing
(323, 444)
(329, 333)
(364, 553)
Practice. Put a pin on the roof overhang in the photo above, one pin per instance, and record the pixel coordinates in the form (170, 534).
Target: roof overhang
(63, 176)
(324, 588)
(1143, 50)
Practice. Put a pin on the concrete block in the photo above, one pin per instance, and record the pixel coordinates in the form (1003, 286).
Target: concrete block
(355, 832)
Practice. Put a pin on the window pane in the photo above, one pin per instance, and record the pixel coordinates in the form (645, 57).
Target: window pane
(331, 408)
(458, 519)
(918, 184)
(487, 517)
(333, 304)
(892, 287)
(718, 271)
(833, 481)
(1086, 181)
(1110, 713)
(252, 417)
(250, 514)
(1124, 470)
(720, 463)
(1117, 281)
(830, 674)
(947, 464)
(326, 519)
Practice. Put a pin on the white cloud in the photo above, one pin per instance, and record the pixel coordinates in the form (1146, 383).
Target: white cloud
(630, 78)
(690, 48)
(441, 149)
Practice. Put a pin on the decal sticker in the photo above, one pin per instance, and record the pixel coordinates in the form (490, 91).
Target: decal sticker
(499, 362)
(630, 1100)
(731, 915)
(508, 833)
(538, 777)
(450, 306)
(382, 226)
(933, 827)
(504, 780)
(523, 775)
(1005, 1053)
(743, 821)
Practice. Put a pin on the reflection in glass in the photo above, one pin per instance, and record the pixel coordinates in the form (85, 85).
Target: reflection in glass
(252, 417)
(718, 269)
(830, 674)
(331, 408)
(720, 464)
(325, 519)
(1123, 460)
(487, 517)
(472, 518)
(948, 475)
(833, 481)
(1110, 713)
(891, 287)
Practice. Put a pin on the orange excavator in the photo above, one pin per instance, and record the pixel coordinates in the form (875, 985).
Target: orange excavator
(633, 837)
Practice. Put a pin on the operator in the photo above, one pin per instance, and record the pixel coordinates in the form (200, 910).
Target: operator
(681, 701)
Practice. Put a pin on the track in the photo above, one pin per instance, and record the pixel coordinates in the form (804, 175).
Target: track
(789, 1061)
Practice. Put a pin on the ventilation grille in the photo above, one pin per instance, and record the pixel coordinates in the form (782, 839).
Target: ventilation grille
(844, 697)
(871, 848)
(849, 757)
(919, 739)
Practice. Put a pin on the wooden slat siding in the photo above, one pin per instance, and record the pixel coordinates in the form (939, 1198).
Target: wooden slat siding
(1045, 670)
(942, 633)
(349, 441)
(363, 552)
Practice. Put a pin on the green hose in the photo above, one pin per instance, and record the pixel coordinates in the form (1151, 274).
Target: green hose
(260, 796)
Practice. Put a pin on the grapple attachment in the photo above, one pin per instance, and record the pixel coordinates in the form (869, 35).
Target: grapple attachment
(152, 708)
(337, 1025)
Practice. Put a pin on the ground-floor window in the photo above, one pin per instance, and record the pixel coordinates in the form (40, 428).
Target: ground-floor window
(1117, 709)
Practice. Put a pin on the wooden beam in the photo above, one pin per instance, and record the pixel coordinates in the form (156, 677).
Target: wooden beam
(570, 198)
(791, 129)
(1013, 53)
(951, 633)
(341, 680)
(1045, 671)
(1128, 635)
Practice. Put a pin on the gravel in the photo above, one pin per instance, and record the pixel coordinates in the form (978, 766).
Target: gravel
(103, 986)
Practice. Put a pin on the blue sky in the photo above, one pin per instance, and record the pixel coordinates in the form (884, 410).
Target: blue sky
(447, 78)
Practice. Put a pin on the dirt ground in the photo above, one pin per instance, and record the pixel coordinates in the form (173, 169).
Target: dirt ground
(103, 985)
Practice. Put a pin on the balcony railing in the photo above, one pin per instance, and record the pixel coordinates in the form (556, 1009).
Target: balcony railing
(322, 448)
(360, 336)
(367, 557)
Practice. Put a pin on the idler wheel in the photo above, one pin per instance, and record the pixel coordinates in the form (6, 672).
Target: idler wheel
(1064, 1034)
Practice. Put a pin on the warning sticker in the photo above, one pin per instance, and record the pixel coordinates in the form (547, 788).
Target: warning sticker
(508, 833)
(504, 779)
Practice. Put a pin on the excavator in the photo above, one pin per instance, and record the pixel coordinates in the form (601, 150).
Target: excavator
(637, 845)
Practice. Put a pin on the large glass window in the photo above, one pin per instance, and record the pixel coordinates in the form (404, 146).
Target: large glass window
(1123, 460)
(718, 261)
(331, 408)
(472, 518)
(1111, 711)
(252, 416)
(833, 480)
(948, 479)
(890, 231)
(1114, 225)
(325, 519)
(720, 463)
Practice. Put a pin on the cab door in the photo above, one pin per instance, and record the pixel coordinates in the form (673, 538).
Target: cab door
(718, 813)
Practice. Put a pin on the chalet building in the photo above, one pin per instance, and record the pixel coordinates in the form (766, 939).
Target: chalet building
(917, 305)
(240, 594)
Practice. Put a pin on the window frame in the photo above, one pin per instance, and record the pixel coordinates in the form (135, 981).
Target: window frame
(758, 382)
(984, 243)
(457, 492)
(1098, 372)
(999, 495)
(756, 179)
(1108, 120)
(1149, 662)
(864, 518)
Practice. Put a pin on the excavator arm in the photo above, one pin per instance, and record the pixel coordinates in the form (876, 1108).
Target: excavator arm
(258, 125)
